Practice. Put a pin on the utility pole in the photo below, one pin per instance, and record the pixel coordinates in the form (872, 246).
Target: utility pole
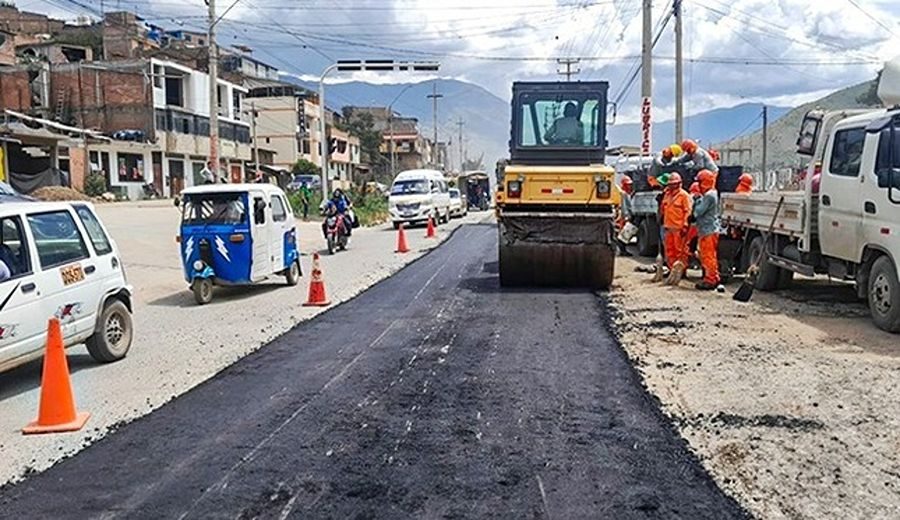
(391, 130)
(646, 77)
(460, 123)
(765, 144)
(679, 73)
(213, 91)
(255, 140)
(568, 62)
(434, 96)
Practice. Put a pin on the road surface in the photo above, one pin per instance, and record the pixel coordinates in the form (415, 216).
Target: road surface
(432, 395)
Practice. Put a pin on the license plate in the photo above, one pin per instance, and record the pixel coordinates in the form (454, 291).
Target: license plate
(71, 274)
(408, 213)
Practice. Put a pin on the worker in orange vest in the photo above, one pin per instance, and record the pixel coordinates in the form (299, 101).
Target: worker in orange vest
(745, 183)
(706, 215)
(677, 205)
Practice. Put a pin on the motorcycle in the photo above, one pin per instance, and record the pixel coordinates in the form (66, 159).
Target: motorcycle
(150, 191)
(336, 232)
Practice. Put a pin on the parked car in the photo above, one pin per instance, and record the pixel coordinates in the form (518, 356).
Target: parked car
(459, 206)
(60, 261)
(417, 195)
(313, 182)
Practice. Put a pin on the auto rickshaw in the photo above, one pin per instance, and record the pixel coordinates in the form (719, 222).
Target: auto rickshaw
(236, 234)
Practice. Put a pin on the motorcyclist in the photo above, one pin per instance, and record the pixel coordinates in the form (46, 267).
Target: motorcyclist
(340, 204)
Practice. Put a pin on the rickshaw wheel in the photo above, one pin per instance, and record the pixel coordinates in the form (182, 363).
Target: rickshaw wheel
(293, 273)
(203, 290)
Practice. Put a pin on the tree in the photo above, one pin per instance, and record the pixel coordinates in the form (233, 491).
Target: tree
(304, 167)
(362, 125)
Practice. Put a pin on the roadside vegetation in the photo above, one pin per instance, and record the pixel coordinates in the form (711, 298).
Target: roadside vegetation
(371, 207)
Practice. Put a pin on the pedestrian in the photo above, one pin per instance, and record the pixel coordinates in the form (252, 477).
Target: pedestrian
(305, 199)
(625, 214)
(696, 158)
(706, 213)
(206, 174)
(745, 184)
(677, 206)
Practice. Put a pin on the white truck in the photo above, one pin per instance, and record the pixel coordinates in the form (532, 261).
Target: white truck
(846, 220)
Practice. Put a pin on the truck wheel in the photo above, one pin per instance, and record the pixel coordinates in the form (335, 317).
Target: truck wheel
(203, 290)
(767, 279)
(293, 273)
(884, 295)
(647, 246)
(112, 338)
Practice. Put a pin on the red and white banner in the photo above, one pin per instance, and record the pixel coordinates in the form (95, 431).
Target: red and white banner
(645, 126)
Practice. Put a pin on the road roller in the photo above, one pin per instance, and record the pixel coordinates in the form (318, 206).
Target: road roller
(556, 199)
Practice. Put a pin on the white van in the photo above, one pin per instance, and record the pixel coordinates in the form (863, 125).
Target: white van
(58, 260)
(418, 194)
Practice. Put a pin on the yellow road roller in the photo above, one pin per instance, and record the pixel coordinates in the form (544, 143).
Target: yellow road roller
(556, 198)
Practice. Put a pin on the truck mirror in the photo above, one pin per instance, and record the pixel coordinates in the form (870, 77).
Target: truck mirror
(612, 111)
(809, 132)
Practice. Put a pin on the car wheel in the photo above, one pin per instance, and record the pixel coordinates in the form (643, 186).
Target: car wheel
(293, 273)
(884, 295)
(203, 290)
(112, 338)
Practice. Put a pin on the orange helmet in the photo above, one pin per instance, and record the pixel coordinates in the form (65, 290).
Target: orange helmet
(626, 184)
(667, 153)
(674, 179)
(745, 180)
(706, 180)
(695, 188)
(688, 146)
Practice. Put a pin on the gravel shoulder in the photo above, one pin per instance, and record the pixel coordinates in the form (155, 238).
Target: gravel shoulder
(179, 344)
(791, 401)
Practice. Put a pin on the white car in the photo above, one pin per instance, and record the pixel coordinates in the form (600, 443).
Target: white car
(417, 195)
(58, 260)
(459, 206)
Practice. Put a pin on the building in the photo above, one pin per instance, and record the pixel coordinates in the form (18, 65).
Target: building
(238, 62)
(344, 156)
(410, 149)
(12, 20)
(53, 52)
(126, 36)
(7, 48)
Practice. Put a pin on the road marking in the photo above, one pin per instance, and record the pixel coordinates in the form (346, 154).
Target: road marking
(543, 496)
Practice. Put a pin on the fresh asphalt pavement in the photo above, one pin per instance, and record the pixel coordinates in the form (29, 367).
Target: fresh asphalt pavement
(434, 394)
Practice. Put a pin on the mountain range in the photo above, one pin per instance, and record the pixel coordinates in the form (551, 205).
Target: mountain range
(486, 118)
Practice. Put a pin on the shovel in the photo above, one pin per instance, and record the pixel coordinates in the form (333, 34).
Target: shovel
(745, 292)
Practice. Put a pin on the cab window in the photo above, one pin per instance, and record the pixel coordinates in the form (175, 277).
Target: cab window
(559, 119)
(13, 249)
(57, 238)
(846, 153)
(279, 214)
(883, 159)
(94, 230)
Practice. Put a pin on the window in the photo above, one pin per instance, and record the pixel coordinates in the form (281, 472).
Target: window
(57, 238)
(94, 230)
(560, 119)
(409, 187)
(278, 212)
(259, 210)
(131, 167)
(214, 208)
(14, 248)
(158, 76)
(174, 91)
(847, 152)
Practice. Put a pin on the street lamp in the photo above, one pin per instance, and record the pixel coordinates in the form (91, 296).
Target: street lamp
(391, 125)
(358, 66)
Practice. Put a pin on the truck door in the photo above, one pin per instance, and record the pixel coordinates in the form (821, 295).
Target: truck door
(281, 225)
(881, 214)
(840, 209)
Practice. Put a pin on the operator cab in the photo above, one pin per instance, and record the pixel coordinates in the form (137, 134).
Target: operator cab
(558, 123)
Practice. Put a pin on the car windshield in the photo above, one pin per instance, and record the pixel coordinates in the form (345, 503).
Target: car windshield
(409, 187)
(214, 208)
(560, 119)
(454, 194)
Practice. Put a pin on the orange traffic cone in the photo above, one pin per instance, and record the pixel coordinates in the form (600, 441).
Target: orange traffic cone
(56, 412)
(316, 296)
(401, 241)
(429, 233)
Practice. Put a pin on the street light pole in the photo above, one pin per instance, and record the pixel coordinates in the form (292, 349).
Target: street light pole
(213, 91)
(358, 66)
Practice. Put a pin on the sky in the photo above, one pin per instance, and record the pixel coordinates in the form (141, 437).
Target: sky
(781, 52)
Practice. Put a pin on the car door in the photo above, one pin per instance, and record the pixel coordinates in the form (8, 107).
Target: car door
(105, 267)
(67, 274)
(22, 321)
(840, 209)
(262, 262)
(281, 226)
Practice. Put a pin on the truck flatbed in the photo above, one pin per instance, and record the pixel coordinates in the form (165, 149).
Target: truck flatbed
(755, 210)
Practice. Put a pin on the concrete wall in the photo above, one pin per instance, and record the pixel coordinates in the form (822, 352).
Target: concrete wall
(108, 100)
(13, 20)
(15, 93)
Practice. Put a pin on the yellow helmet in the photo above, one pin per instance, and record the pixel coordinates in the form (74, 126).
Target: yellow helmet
(676, 150)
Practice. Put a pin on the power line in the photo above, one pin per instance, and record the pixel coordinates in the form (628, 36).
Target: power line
(874, 18)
